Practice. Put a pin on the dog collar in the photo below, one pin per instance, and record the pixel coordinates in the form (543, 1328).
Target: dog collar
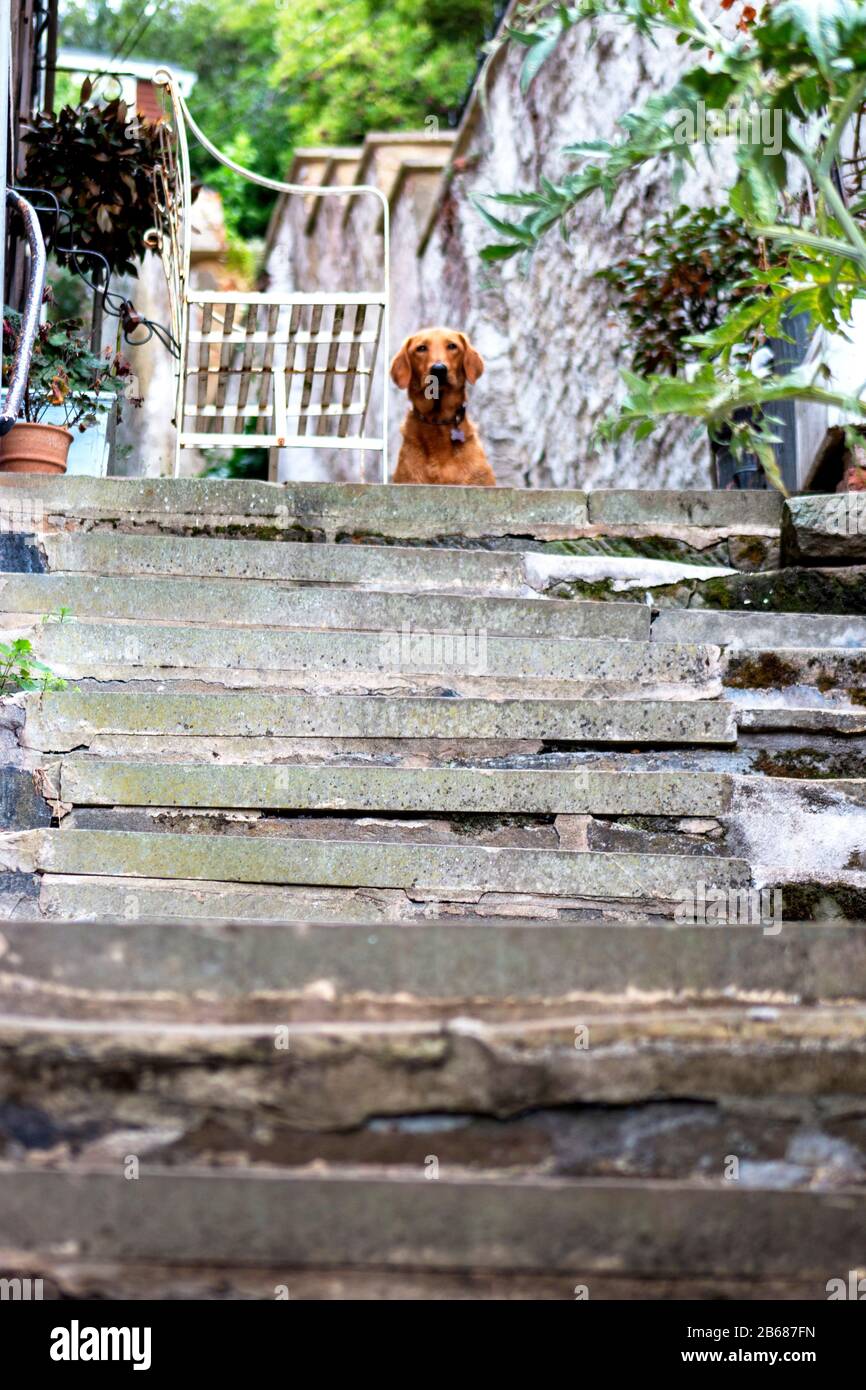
(457, 435)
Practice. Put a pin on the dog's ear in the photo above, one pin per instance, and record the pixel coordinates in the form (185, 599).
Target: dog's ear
(401, 367)
(473, 362)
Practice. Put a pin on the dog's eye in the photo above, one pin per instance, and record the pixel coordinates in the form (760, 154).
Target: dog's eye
(422, 347)
(452, 347)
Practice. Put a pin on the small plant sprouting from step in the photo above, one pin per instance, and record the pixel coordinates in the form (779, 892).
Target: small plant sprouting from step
(19, 669)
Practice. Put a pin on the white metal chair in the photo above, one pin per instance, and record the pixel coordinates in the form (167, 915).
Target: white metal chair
(301, 366)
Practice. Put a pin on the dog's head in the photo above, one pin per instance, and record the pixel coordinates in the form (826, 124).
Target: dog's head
(434, 366)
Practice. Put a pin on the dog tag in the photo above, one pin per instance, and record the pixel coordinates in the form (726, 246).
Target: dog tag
(458, 437)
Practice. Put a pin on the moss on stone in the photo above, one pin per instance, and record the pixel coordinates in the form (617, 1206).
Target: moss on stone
(841, 591)
(815, 902)
(601, 590)
(642, 547)
(764, 671)
(808, 763)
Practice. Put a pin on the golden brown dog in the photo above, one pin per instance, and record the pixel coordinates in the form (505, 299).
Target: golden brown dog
(439, 443)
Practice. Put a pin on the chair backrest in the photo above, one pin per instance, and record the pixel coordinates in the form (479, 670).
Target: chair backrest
(275, 370)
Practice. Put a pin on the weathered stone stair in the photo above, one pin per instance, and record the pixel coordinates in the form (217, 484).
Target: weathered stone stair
(286, 884)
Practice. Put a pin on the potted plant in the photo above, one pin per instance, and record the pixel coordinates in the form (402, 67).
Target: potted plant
(65, 379)
(691, 269)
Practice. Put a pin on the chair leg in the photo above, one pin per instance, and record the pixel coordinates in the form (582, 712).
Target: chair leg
(273, 465)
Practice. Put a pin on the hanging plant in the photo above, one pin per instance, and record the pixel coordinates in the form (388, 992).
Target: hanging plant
(100, 161)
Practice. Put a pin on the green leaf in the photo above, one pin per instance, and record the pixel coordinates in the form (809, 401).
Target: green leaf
(537, 57)
(500, 253)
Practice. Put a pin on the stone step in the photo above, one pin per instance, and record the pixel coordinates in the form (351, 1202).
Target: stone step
(92, 896)
(410, 569)
(418, 869)
(100, 782)
(227, 971)
(259, 603)
(61, 720)
(825, 530)
(759, 631)
(328, 511)
(573, 1229)
(776, 1145)
(336, 1074)
(840, 590)
(828, 676)
(370, 661)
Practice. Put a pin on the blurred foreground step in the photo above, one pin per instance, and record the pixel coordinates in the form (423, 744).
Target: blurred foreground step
(339, 863)
(187, 969)
(100, 782)
(258, 603)
(59, 720)
(180, 1062)
(400, 1220)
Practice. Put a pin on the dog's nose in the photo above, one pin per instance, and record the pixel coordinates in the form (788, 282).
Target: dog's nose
(440, 372)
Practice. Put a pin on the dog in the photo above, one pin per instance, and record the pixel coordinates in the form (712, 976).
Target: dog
(440, 444)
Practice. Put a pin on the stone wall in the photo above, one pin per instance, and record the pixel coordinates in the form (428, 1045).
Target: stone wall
(552, 347)
(146, 434)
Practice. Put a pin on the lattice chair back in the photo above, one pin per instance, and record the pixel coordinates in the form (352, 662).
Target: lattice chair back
(276, 370)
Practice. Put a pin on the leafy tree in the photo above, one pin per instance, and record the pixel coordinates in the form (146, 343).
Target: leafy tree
(366, 65)
(803, 59)
(274, 74)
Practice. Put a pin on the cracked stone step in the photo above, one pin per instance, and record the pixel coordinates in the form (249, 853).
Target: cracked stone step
(59, 720)
(411, 568)
(196, 973)
(323, 511)
(93, 782)
(104, 651)
(417, 868)
(759, 631)
(259, 604)
(92, 896)
(576, 1228)
(335, 1074)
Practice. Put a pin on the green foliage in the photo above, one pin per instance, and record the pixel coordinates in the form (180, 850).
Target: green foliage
(690, 268)
(99, 160)
(275, 75)
(64, 372)
(19, 669)
(369, 65)
(799, 68)
(247, 463)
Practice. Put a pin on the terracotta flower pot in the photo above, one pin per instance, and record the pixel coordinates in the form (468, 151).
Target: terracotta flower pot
(34, 449)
